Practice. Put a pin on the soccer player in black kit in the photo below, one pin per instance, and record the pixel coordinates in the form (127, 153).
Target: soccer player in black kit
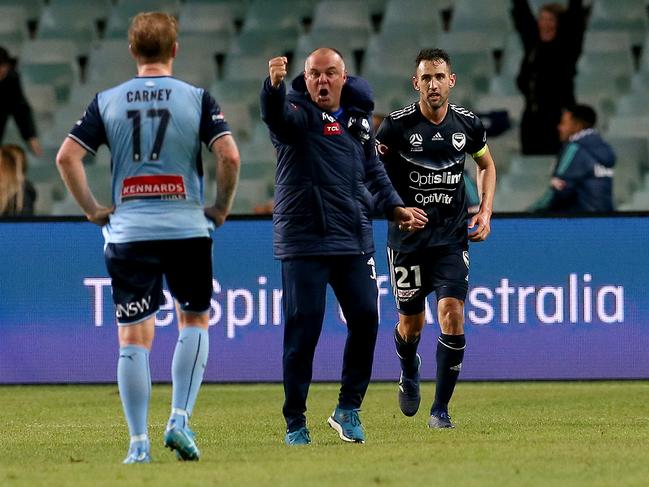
(423, 147)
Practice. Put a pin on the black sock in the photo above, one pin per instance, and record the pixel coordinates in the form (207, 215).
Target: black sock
(450, 352)
(407, 352)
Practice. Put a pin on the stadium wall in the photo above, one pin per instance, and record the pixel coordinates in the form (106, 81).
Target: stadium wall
(559, 298)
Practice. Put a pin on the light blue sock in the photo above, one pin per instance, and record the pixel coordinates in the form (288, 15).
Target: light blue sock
(187, 368)
(134, 382)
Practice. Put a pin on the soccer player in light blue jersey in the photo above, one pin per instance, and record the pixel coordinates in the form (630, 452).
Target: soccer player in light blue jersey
(159, 226)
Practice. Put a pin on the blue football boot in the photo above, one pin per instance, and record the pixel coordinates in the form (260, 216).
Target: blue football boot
(182, 440)
(348, 425)
(298, 437)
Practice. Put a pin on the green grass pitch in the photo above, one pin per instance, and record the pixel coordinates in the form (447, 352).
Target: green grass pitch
(508, 434)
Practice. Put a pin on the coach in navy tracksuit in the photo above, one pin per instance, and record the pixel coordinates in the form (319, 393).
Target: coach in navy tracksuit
(582, 180)
(327, 184)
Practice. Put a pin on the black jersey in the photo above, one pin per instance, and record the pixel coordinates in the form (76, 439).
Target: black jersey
(425, 163)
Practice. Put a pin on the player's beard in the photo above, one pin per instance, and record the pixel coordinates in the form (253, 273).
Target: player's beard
(435, 103)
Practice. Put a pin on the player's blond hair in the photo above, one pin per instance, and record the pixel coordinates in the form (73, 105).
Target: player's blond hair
(152, 36)
(11, 182)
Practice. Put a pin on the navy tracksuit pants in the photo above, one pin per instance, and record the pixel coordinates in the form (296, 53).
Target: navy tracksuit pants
(304, 282)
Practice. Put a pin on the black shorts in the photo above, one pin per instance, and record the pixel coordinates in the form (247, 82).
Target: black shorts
(414, 275)
(137, 269)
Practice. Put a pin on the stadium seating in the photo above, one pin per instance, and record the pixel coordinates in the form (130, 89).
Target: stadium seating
(207, 18)
(388, 65)
(503, 148)
(238, 8)
(606, 41)
(51, 62)
(225, 45)
(491, 17)
(628, 15)
(31, 8)
(196, 59)
(66, 207)
(640, 80)
(601, 48)
(307, 43)
(345, 21)
(252, 169)
(503, 85)
(606, 61)
(44, 199)
(239, 118)
(472, 56)
(42, 98)
(13, 27)
(118, 21)
(527, 179)
(74, 20)
(639, 200)
(512, 55)
(419, 17)
(241, 82)
(285, 17)
(629, 125)
(110, 63)
(251, 192)
(263, 43)
(393, 52)
(632, 160)
(634, 103)
(513, 104)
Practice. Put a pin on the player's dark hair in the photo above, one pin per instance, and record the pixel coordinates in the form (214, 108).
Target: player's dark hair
(5, 58)
(436, 54)
(584, 114)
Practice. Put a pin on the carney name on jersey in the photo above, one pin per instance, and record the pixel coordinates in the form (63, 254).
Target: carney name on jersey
(425, 163)
(153, 127)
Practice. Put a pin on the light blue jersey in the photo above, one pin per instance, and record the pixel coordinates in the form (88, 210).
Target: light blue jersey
(153, 127)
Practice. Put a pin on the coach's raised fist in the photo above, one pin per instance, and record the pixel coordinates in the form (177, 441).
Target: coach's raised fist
(277, 70)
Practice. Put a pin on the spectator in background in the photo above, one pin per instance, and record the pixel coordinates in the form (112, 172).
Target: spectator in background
(582, 180)
(13, 103)
(552, 45)
(17, 194)
(265, 208)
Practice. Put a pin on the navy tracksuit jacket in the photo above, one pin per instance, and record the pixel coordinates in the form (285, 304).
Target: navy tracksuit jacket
(328, 184)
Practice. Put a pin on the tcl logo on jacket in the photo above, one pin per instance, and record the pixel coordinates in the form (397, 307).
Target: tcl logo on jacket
(332, 129)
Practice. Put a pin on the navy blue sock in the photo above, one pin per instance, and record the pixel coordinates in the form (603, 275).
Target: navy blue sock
(450, 352)
(407, 353)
